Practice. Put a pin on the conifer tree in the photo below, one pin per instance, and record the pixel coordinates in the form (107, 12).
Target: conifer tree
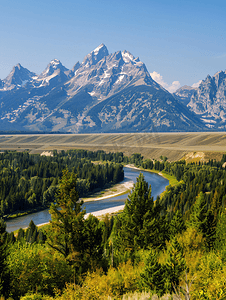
(66, 232)
(204, 221)
(175, 265)
(140, 221)
(93, 248)
(20, 234)
(11, 238)
(153, 276)
(220, 241)
(4, 272)
(177, 224)
(31, 233)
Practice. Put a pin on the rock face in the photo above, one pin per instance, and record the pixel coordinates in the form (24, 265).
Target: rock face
(208, 101)
(184, 94)
(18, 77)
(104, 93)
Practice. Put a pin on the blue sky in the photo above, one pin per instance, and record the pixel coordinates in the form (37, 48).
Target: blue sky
(179, 41)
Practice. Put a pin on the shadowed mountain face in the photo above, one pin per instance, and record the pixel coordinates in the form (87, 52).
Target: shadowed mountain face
(208, 100)
(104, 93)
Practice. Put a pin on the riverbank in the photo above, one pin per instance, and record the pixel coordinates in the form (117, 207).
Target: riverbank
(97, 204)
(18, 214)
(98, 213)
(172, 179)
(118, 189)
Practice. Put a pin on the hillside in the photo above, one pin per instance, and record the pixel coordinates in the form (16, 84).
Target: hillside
(151, 145)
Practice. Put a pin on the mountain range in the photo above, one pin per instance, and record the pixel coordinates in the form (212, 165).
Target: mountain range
(107, 93)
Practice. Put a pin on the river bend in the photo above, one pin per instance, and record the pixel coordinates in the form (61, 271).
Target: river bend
(158, 184)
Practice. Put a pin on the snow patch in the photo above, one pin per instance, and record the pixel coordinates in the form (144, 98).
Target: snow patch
(208, 121)
(55, 62)
(127, 56)
(120, 78)
(101, 82)
(209, 125)
(96, 51)
(106, 74)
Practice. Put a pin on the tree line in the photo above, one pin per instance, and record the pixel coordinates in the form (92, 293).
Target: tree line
(29, 181)
(162, 246)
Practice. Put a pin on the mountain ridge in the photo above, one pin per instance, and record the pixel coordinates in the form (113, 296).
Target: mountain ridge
(208, 100)
(105, 93)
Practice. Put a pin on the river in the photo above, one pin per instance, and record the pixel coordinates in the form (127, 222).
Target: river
(158, 184)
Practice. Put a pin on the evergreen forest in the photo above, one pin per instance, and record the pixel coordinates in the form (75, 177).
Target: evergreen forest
(30, 181)
(173, 246)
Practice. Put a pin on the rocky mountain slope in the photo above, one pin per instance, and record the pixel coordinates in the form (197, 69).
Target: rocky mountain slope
(208, 101)
(104, 93)
(184, 94)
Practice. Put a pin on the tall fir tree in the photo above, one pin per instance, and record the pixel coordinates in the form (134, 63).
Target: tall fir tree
(139, 226)
(177, 224)
(4, 272)
(31, 233)
(175, 266)
(66, 232)
(204, 221)
(153, 276)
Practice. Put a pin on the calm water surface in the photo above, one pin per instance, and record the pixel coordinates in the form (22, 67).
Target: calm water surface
(158, 184)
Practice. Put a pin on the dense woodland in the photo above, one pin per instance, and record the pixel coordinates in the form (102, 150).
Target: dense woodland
(30, 181)
(175, 245)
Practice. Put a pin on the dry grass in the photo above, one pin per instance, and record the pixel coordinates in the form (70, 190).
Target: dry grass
(151, 145)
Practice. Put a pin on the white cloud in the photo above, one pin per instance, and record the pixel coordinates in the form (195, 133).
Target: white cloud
(169, 87)
(174, 86)
(195, 85)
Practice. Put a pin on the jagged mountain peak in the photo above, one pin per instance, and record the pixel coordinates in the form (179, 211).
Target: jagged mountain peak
(53, 69)
(18, 66)
(100, 48)
(55, 62)
(127, 56)
(95, 56)
(209, 101)
(106, 92)
(18, 77)
(108, 74)
(76, 67)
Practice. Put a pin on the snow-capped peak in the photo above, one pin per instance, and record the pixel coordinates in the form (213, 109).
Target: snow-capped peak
(96, 51)
(55, 62)
(127, 56)
(53, 66)
(95, 56)
(17, 77)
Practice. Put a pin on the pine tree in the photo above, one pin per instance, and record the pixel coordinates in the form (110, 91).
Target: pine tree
(204, 221)
(66, 232)
(175, 266)
(41, 237)
(220, 241)
(177, 224)
(11, 238)
(139, 222)
(93, 248)
(153, 276)
(30, 232)
(4, 272)
(20, 234)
